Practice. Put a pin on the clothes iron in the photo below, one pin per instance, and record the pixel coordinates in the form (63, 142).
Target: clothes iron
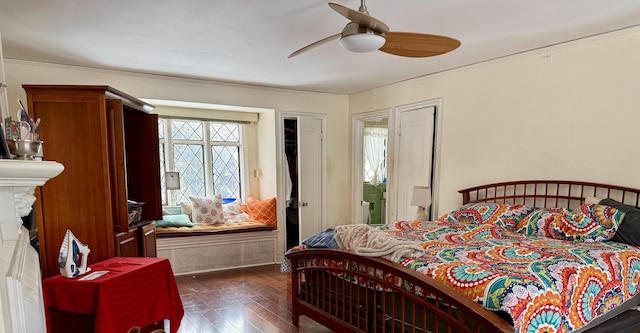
(73, 256)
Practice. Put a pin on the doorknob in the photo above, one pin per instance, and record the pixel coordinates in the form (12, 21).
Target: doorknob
(304, 204)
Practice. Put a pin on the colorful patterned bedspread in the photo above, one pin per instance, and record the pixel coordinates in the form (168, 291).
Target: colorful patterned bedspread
(545, 284)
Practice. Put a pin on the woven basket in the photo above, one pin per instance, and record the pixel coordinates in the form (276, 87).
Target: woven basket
(134, 212)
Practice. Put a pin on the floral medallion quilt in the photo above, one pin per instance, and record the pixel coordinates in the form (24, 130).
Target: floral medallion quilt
(550, 270)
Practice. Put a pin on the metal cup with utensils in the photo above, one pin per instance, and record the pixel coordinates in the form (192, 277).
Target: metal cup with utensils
(24, 149)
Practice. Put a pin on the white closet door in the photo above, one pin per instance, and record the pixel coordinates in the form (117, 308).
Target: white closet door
(413, 156)
(310, 176)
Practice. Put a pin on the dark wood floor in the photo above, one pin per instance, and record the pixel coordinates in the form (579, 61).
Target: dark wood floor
(256, 299)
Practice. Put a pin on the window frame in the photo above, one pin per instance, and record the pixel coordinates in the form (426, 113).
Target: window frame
(169, 162)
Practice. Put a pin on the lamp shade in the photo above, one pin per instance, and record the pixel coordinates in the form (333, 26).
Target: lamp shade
(421, 196)
(172, 180)
(362, 42)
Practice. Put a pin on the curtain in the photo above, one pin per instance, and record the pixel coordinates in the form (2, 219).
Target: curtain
(375, 139)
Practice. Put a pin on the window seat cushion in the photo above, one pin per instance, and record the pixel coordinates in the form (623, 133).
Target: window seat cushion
(207, 229)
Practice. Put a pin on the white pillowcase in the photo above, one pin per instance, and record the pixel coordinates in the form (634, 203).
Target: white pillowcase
(234, 212)
(207, 210)
(186, 207)
(592, 200)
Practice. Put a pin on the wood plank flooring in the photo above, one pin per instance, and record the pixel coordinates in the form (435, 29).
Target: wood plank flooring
(247, 300)
(258, 299)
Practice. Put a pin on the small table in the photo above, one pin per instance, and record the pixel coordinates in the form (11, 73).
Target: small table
(135, 292)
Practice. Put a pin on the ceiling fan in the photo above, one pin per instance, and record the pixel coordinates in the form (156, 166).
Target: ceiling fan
(366, 33)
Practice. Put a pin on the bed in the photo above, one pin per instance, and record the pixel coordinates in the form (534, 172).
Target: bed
(478, 274)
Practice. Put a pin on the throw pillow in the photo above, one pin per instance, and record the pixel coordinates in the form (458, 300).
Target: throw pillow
(540, 222)
(587, 223)
(178, 220)
(234, 211)
(207, 210)
(629, 229)
(186, 207)
(605, 221)
(489, 213)
(262, 210)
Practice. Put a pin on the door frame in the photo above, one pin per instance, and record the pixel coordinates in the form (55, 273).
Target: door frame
(280, 165)
(357, 125)
(357, 146)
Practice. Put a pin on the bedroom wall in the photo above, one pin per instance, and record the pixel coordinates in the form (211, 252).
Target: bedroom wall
(571, 111)
(168, 88)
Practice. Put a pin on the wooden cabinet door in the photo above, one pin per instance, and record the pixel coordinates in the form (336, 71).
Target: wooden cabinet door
(127, 244)
(148, 240)
(109, 147)
(117, 164)
(74, 131)
(143, 161)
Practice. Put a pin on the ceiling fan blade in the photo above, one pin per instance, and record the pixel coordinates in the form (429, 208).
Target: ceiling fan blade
(360, 18)
(314, 45)
(417, 45)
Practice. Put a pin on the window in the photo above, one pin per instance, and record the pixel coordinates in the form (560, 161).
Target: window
(207, 154)
(375, 155)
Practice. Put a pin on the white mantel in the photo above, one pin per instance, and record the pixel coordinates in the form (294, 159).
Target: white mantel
(19, 289)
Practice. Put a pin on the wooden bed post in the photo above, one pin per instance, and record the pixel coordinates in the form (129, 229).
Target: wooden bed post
(294, 292)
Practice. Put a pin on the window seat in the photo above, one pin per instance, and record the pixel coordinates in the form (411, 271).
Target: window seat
(203, 229)
(215, 251)
(178, 230)
(204, 248)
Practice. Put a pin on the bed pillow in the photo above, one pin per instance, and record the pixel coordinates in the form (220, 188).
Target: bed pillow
(177, 220)
(186, 207)
(629, 229)
(235, 211)
(537, 223)
(262, 210)
(207, 210)
(587, 223)
(502, 214)
(592, 200)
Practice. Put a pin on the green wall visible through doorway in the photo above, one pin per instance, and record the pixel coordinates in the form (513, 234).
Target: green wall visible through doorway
(374, 195)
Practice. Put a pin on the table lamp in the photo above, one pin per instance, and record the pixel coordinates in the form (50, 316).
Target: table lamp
(172, 181)
(421, 197)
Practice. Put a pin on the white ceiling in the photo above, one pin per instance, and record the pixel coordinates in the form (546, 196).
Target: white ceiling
(248, 41)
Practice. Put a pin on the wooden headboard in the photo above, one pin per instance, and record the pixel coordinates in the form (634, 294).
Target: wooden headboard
(548, 193)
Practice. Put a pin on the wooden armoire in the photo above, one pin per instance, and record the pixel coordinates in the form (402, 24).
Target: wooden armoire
(108, 143)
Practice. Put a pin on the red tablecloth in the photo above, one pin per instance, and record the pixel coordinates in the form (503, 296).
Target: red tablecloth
(135, 292)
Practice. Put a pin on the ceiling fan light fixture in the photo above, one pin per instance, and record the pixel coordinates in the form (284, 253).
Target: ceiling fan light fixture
(361, 43)
(360, 39)
(365, 33)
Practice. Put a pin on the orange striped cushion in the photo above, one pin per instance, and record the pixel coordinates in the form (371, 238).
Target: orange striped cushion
(262, 210)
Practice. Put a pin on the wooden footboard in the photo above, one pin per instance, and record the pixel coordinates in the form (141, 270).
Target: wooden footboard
(349, 293)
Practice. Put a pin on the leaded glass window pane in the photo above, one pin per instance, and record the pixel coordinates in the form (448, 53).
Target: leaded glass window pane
(161, 130)
(224, 132)
(186, 129)
(226, 170)
(189, 161)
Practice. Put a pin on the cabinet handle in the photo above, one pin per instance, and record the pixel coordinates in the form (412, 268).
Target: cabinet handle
(304, 204)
